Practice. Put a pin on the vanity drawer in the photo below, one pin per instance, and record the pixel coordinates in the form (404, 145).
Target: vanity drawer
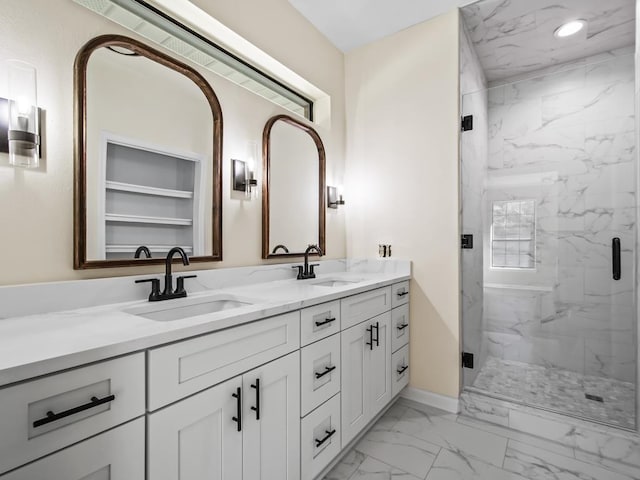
(400, 327)
(316, 427)
(399, 370)
(319, 322)
(115, 455)
(400, 294)
(181, 369)
(29, 432)
(320, 371)
(364, 306)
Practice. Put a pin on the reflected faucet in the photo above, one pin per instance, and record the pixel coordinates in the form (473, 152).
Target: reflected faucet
(168, 292)
(142, 249)
(280, 246)
(306, 271)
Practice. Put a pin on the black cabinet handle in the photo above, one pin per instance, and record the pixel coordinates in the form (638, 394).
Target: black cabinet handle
(403, 326)
(326, 371)
(257, 406)
(402, 369)
(238, 417)
(52, 417)
(328, 435)
(377, 327)
(370, 342)
(325, 321)
(403, 293)
(615, 253)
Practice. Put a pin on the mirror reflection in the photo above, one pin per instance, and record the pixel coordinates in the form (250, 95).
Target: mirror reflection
(151, 162)
(294, 216)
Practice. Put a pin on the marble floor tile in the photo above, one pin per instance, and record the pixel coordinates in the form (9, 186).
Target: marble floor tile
(519, 436)
(372, 469)
(453, 435)
(399, 450)
(560, 390)
(427, 443)
(347, 466)
(538, 464)
(456, 466)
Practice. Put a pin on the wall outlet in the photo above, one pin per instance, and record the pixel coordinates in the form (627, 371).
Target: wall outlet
(384, 250)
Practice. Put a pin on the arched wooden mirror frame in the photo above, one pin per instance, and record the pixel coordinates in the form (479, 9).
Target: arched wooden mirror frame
(80, 154)
(266, 161)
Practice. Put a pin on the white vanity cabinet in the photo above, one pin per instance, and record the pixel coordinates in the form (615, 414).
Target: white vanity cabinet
(366, 373)
(247, 428)
(114, 455)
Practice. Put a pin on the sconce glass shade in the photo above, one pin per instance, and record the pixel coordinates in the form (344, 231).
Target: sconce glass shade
(24, 128)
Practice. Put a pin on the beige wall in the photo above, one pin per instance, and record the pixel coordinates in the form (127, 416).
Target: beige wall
(36, 206)
(402, 180)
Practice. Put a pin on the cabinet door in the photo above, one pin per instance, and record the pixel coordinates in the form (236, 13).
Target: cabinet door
(355, 358)
(379, 372)
(197, 438)
(271, 421)
(115, 455)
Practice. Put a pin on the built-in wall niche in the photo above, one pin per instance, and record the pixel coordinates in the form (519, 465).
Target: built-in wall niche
(152, 197)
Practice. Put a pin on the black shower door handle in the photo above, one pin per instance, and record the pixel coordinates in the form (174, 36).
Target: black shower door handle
(615, 254)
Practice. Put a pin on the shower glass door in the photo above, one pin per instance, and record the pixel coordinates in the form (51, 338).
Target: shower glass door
(549, 194)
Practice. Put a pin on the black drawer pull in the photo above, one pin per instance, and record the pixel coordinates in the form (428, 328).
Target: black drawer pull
(324, 322)
(52, 417)
(403, 326)
(326, 371)
(238, 417)
(402, 294)
(328, 435)
(370, 342)
(402, 369)
(377, 327)
(257, 406)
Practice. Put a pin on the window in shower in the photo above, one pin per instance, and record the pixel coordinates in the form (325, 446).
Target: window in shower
(513, 227)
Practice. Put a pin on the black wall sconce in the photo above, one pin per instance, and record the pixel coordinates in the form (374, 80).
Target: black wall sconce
(243, 179)
(20, 117)
(333, 199)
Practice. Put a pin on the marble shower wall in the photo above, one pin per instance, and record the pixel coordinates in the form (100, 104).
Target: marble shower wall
(567, 140)
(473, 167)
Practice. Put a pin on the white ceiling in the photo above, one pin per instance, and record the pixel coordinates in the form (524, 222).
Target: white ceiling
(349, 24)
(512, 37)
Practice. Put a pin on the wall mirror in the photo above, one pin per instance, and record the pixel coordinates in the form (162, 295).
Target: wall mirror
(147, 157)
(293, 186)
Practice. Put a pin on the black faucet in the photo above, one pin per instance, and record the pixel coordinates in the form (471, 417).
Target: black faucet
(168, 292)
(306, 271)
(142, 249)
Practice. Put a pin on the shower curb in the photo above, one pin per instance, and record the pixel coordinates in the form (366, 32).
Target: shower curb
(608, 443)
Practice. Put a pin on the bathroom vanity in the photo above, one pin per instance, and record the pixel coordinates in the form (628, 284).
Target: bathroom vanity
(268, 380)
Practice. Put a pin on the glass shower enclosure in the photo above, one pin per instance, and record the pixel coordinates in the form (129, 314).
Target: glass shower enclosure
(549, 182)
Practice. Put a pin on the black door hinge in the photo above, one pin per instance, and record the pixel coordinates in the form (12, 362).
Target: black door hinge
(467, 360)
(467, 123)
(466, 241)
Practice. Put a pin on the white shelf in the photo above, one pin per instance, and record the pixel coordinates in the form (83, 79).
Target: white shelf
(152, 248)
(146, 190)
(116, 217)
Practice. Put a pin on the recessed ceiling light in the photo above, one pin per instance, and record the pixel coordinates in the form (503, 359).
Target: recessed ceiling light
(569, 28)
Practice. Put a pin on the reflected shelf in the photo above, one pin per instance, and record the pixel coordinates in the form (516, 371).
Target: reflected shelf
(146, 190)
(116, 217)
(152, 248)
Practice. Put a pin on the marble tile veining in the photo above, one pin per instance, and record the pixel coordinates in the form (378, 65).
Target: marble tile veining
(522, 456)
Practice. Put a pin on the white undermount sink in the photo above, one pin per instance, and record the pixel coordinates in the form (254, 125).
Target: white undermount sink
(336, 282)
(170, 310)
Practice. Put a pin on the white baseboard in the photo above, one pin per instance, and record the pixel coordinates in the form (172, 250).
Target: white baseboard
(443, 402)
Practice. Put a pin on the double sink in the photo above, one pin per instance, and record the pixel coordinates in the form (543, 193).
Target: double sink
(203, 305)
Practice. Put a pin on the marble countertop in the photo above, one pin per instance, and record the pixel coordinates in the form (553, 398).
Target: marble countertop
(40, 344)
